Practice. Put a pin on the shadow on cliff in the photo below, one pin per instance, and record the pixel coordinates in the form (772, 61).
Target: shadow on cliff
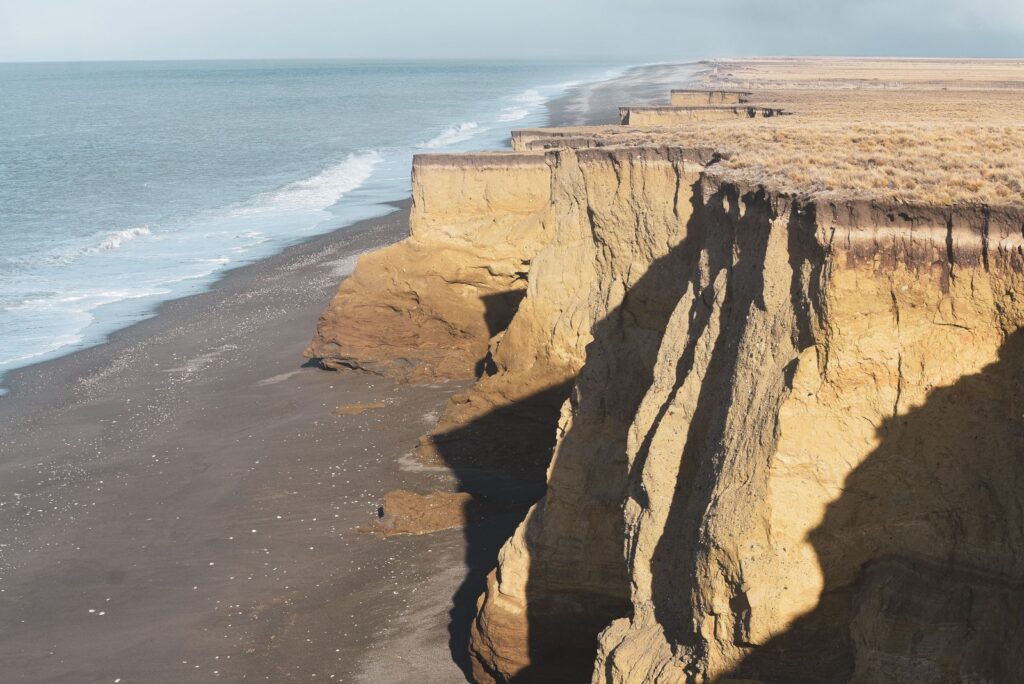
(501, 459)
(572, 593)
(736, 244)
(499, 308)
(921, 554)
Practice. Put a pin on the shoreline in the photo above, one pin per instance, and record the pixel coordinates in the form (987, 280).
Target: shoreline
(180, 503)
(68, 314)
(357, 233)
(178, 455)
(636, 83)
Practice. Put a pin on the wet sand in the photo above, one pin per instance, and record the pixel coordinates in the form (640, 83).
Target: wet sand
(180, 504)
(598, 103)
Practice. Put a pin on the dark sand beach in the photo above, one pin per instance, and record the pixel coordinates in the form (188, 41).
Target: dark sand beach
(180, 504)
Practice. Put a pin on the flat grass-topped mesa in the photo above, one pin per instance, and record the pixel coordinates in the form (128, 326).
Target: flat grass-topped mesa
(921, 143)
(684, 98)
(674, 115)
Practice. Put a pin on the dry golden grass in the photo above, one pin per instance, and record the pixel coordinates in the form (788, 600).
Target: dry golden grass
(837, 73)
(933, 164)
(936, 164)
(910, 106)
(916, 145)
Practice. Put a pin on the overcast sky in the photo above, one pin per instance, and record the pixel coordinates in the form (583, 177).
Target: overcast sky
(640, 30)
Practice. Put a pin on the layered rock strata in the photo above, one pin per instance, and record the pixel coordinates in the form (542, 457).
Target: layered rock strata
(823, 478)
(684, 98)
(785, 426)
(427, 306)
(673, 116)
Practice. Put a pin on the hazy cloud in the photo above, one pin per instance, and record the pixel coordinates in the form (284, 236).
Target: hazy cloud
(628, 29)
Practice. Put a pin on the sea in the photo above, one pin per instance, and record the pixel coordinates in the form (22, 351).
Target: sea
(125, 184)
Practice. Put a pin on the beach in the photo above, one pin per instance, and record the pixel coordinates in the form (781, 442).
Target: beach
(182, 504)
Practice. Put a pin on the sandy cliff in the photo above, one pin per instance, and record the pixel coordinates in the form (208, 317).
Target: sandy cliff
(599, 296)
(778, 403)
(673, 116)
(426, 307)
(682, 98)
(828, 492)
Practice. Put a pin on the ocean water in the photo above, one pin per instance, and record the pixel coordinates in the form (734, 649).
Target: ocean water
(123, 185)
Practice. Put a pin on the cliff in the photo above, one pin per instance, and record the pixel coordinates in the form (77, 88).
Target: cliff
(818, 497)
(776, 403)
(684, 98)
(730, 393)
(673, 116)
(426, 307)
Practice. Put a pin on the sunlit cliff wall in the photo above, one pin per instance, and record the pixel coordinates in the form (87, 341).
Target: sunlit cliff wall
(426, 307)
(683, 98)
(823, 474)
(790, 430)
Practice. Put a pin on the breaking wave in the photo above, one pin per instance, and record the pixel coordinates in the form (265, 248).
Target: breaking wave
(522, 105)
(455, 134)
(317, 192)
(118, 238)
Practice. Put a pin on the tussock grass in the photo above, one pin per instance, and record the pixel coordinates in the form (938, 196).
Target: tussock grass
(952, 131)
(920, 163)
(925, 142)
(836, 73)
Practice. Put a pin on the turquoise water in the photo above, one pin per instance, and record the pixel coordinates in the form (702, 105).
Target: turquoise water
(126, 184)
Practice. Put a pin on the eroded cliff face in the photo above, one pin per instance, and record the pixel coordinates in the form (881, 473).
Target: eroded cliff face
(598, 299)
(829, 491)
(426, 307)
(782, 434)
(791, 401)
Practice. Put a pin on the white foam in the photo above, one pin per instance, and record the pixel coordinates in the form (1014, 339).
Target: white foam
(317, 192)
(513, 114)
(118, 238)
(62, 319)
(68, 255)
(43, 350)
(76, 310)
(455, 134)
(522, 105)
(92, 299)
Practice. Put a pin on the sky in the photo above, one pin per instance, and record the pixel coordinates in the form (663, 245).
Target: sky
(638, 30)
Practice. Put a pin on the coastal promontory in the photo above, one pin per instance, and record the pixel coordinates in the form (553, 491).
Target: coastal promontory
(760, 346)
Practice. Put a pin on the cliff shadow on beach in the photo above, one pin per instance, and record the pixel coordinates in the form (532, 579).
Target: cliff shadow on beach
(500, 459)
(577, 580)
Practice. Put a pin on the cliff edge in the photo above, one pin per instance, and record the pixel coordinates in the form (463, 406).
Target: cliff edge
(769, 368)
